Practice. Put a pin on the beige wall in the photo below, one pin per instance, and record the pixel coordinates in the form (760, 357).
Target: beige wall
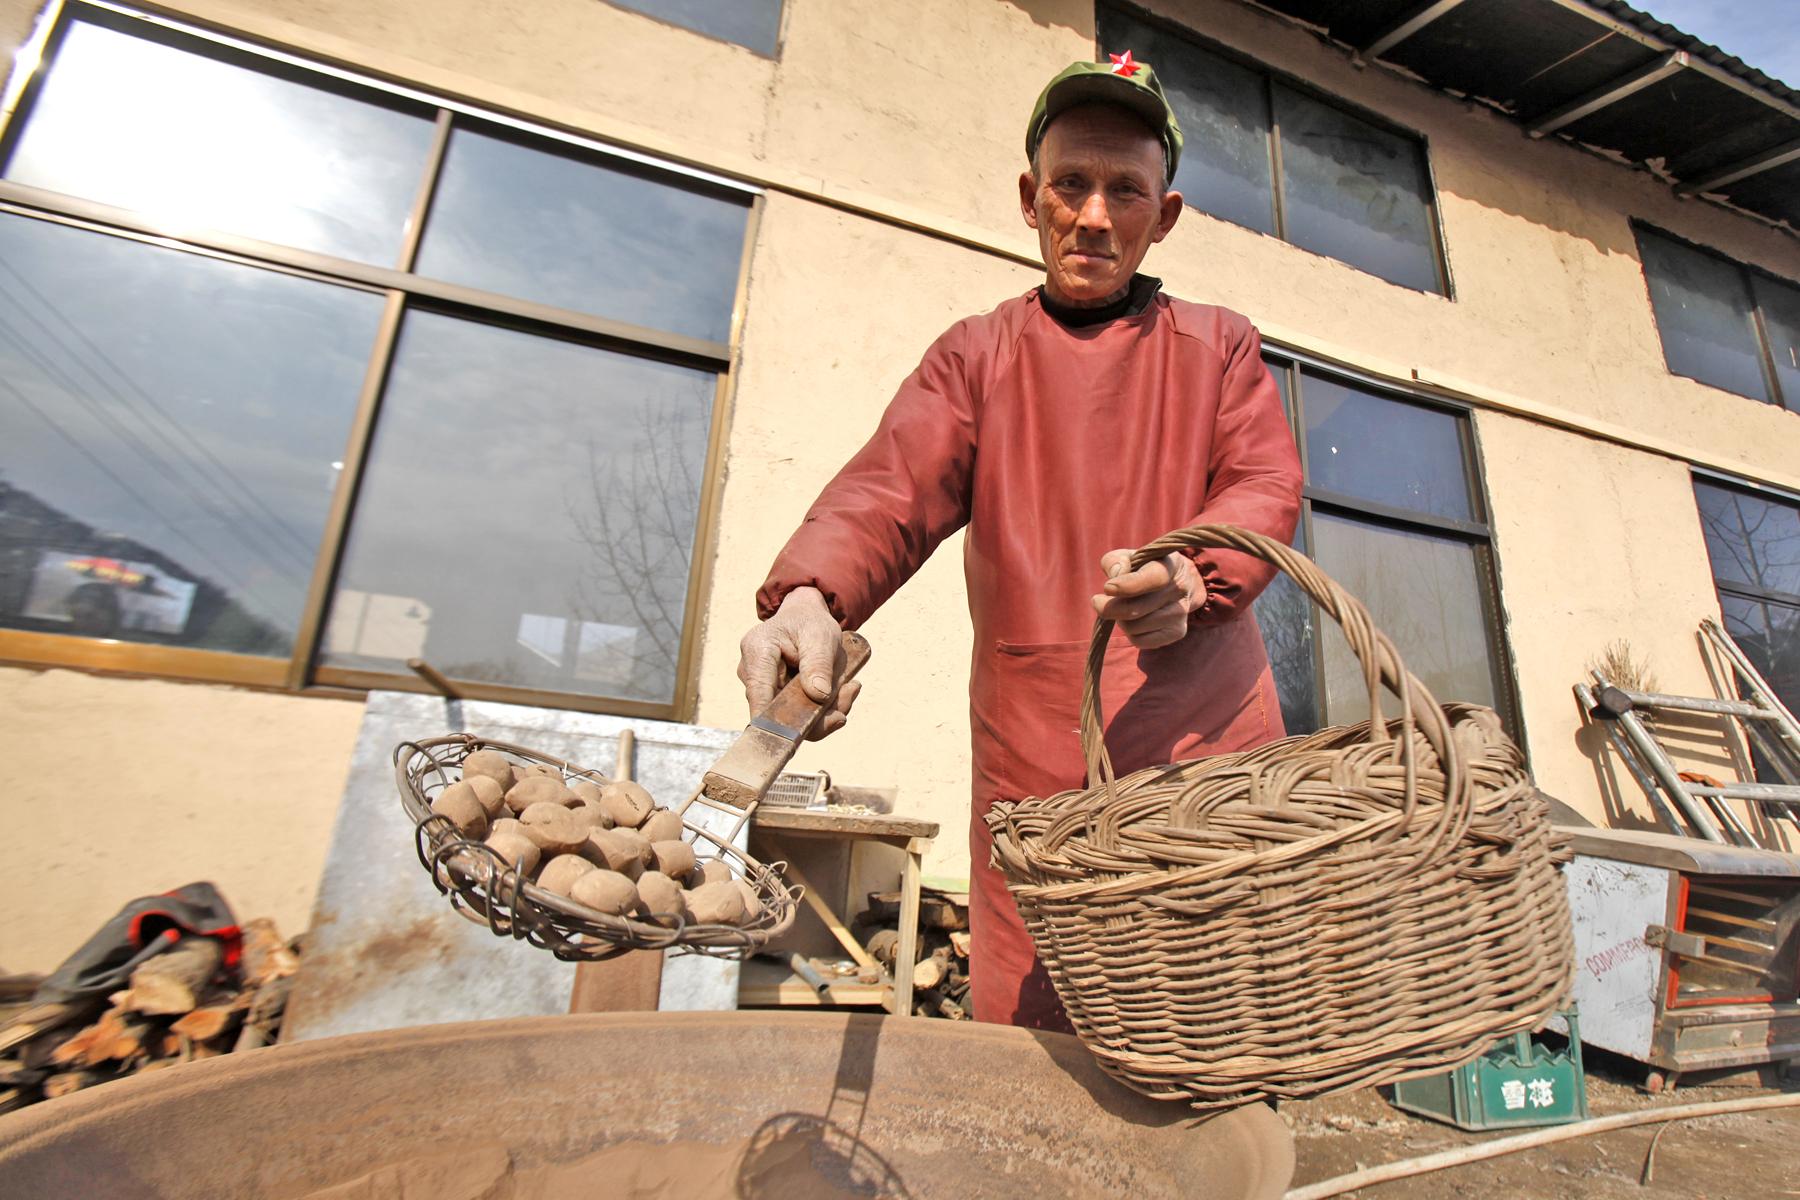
(125, 788)
(880, 115)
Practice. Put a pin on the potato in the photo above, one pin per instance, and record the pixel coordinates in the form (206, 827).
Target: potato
(491, 763)
(753, 905)
(590, 816)
(673, 859)
(621, 850)
(546, 770)
(660, 899)
(606, 892)
(507, 825)
(715, 871)
(491, 794)
(536, 789)
(662, 825)
(716, 904)
(627, 803)
(553, 827)
(458, 805)
(519, 851)
(560, 873)
(586, 790)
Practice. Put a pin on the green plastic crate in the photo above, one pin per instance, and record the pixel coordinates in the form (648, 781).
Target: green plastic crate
(1519, 1081)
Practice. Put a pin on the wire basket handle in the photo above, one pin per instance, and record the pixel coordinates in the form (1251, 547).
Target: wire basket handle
(1420, 715)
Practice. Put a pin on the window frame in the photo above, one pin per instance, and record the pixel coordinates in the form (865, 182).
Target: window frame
(1478, 534)
(1758, 323)
(781, 21)
(403, 291)
(1440, 254)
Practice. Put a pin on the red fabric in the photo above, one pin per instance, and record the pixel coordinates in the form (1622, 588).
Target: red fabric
(1055, 445)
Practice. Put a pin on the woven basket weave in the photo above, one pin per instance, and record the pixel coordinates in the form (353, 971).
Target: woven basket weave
(1325, 912)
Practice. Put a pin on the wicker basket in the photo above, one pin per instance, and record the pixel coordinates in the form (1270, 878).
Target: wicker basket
(1324, 912)
(484, 888)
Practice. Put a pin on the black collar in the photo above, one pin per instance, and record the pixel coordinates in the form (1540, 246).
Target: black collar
(1138, 295)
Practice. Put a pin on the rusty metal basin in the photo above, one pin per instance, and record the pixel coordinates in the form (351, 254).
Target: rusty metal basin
(753, 1106)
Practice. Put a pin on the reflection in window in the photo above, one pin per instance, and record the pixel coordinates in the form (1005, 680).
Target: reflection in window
(197, 143)
(755, 24)
(541, 500)
(1768, 632)
(1424, 592)
(1384, 450)
(1349, 188)
(1354, 191)
(173, 430)
(1705, 315)
(1779, 304)
(563, 230)
(1752, 539)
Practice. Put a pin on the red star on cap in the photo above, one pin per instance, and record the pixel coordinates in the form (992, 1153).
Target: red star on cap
(1124, 64)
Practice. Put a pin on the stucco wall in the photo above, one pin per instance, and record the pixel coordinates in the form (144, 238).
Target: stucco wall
(128, 787)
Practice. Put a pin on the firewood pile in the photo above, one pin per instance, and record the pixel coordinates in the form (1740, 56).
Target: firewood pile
(181, 1005)
(941, 966)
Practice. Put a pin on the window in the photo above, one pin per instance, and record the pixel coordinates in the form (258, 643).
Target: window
(755, 24)
(1265, 154)
(1722, 322)
(1753, 539)
(1392, 510)
(406, 382)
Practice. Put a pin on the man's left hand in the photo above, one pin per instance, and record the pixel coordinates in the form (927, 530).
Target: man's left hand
(1152, 603)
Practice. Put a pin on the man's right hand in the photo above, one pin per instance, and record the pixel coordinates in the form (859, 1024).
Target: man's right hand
(801, 637)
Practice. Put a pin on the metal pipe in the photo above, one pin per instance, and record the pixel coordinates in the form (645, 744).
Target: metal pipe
(1658, 801)
(1664, 770)
(1778, 714)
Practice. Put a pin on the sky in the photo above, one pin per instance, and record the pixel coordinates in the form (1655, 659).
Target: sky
(1764, 33)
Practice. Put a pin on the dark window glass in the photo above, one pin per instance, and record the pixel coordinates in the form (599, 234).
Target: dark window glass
(565, 231)
(198, 143)
(1424, 592)
(1385, 451)
(1703, 312)
(173, 430)
(1769, 635)
(1355, 192)
(1224, 113)
(1288, 620)
(1750, 539)
(527, 515)
(752, 23)
(1780, 304)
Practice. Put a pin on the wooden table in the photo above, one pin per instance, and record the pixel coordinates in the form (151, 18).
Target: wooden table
(908, 834)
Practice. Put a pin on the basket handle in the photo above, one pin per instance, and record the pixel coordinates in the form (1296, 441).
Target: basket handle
(1420, 716)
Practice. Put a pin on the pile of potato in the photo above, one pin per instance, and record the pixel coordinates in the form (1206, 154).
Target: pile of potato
(609, 847)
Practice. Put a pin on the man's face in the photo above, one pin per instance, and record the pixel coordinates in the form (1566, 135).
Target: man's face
(1098, 204)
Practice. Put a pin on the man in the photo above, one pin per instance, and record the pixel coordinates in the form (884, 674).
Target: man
(1063, 428)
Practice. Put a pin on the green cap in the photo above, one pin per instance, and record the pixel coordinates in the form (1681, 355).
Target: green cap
(1123, 81)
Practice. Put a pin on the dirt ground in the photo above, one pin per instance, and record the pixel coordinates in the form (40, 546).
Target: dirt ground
(1739, 1156)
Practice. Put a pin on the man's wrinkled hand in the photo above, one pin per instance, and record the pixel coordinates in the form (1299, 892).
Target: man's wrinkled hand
(1152, 603)
(802, 637)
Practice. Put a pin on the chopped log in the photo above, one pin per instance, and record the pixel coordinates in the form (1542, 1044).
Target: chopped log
(14, 988)
(262, 1021)
(76, 1048)
(14, 1073)
(937, 910)
(884, 946)
(41, 1018)
(18, 1097)
(959, 942)
(72, 1081)
(209, 1021)
(117, 1034)
(266, 957)
(929, 973)
(173, 981)
(37, 1052)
